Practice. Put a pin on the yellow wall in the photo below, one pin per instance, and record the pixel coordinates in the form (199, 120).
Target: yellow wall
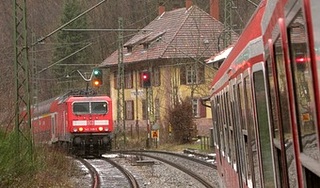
(170, 77)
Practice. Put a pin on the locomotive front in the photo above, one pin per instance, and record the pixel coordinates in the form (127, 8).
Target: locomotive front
(90, 124)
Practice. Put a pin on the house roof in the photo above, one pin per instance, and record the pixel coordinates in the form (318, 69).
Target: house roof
(180, 33)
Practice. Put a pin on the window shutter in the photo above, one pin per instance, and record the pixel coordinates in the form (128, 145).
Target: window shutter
(115, 79)
(144, 109)
(182, 75)
(203, 113)
(201, 75)
(129, 110)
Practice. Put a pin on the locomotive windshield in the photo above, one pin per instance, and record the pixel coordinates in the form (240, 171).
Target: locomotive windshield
(98, 107)
(90, 108)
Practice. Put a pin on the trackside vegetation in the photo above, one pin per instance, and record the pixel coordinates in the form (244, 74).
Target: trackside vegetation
(43, 167)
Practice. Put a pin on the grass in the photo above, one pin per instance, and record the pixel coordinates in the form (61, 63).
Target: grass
(44, 167)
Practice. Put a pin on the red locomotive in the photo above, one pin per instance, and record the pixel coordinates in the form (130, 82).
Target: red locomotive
(82, 123)
(265, 99)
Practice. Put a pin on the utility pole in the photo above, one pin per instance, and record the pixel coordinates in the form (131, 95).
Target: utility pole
(150, 106)
(120, 81)
(22, 68)
(21, 71)
(227, 23)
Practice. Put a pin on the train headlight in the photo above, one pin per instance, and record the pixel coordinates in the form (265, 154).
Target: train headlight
(80, 129)
(75, 130)
(77, 140)
(105, 140)
(100, 128)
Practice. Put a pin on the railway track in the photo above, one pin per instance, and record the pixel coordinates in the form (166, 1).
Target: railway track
(132, 180)
(151, 168)
(92, 171)
(100, 177)
(183, 166)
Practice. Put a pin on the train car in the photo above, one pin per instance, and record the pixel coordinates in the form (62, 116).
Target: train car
(265, 99)
(81, 123)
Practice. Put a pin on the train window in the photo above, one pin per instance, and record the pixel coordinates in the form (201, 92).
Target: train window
(221, 125)
(315, 7)
(225, 125)
(252, 144)
(214, 119)
(242, 138)
(263, 129)
(233, 123)
(81, 108)
(303, 88)
(284, 116)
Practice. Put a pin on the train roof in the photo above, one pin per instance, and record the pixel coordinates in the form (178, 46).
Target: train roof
(88, 98)
(251, 33)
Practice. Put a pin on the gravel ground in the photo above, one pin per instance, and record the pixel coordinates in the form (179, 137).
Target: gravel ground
(154, 176)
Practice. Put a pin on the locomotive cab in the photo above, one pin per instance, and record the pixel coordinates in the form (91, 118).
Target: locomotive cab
(90, 125)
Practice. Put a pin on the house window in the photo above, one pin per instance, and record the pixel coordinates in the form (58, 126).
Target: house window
(129, 110)
(192, 74)
(198, 109)
(156, 77)
(128, 80)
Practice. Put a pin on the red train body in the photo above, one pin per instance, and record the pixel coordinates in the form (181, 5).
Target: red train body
(83, 124)
(265, 99)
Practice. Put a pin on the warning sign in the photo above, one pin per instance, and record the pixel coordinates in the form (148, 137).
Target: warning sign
(155, 133)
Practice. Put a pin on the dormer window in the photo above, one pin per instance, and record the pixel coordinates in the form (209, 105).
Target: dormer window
(129, 49)
(145, 46)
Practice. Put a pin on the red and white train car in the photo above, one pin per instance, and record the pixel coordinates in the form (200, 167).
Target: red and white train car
(84, 124)
(265, 99)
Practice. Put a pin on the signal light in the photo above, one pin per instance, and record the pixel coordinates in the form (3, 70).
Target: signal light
(97, 77)
(146, 80)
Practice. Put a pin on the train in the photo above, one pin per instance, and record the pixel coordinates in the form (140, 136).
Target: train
(80, 122)
(265, 99)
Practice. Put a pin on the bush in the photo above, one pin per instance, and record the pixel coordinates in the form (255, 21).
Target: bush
(181, 121)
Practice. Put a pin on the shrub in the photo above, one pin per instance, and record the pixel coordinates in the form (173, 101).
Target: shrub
(181, 121)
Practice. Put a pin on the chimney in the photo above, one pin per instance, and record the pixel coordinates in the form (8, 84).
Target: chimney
(214, 9)
(161, 8)
(188, 4)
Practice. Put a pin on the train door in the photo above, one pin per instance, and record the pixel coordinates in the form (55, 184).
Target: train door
(312, 172)
(216, 117)
(53, 127)
(244, 149)
(301, 73)
(280, 115)
(263, 126)
(235, 126)
(253, 164)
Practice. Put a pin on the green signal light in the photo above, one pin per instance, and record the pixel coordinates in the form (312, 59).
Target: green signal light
(96, 72)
